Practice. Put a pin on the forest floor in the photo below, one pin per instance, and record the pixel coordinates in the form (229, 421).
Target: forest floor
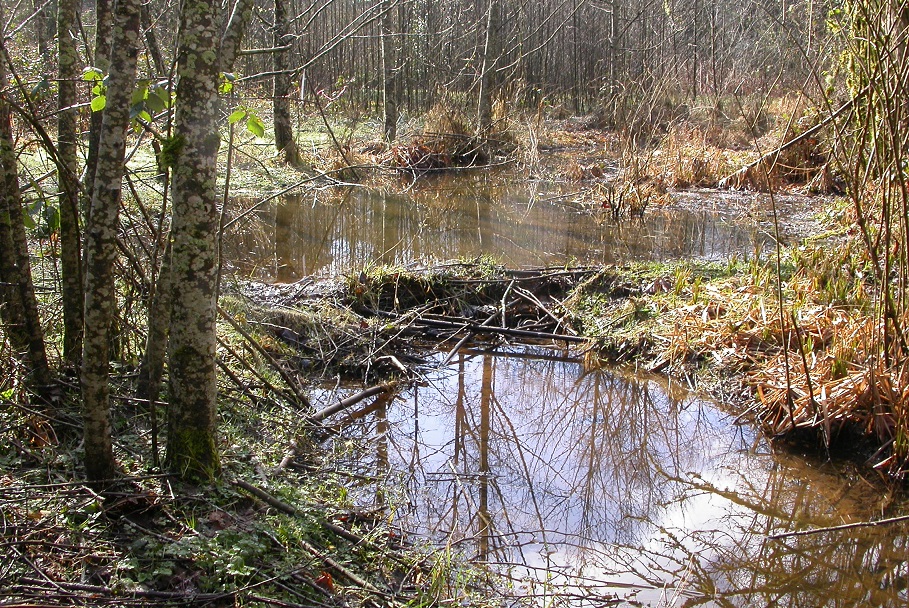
(281, 529)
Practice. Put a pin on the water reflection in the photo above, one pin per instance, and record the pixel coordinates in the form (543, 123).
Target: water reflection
(449, 217)
(592, 487)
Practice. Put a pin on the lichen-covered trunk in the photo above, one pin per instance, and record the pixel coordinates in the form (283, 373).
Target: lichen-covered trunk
(70, 238)
(192, 450)
(284, 133)
(18, 305)
(101, 242)
(391, 57)
(151, 369)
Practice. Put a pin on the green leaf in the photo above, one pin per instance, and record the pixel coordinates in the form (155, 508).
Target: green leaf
(28, 220)
(143, 115)
(90, 74)
(139, 95)
(237, 116)
(226, 87)
(98, 103)
(154, 103)
(255, 126)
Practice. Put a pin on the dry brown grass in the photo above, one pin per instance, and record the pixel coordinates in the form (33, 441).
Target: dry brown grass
(839, 383)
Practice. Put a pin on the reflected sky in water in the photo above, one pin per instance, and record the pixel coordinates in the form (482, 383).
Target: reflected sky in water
(448, 217)
(595, 486)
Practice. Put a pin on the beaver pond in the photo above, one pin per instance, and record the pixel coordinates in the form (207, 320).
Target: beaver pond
(583, 487)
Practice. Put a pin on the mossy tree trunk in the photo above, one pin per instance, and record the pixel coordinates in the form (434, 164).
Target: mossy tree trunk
(18, 305)
(101, 241)
(192, 451)
(284, 132)
(70, 238)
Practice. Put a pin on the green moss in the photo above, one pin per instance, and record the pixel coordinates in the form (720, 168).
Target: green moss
(192, 454)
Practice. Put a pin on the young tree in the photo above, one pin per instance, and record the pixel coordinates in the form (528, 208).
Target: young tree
(70, 239)
(192, 450)
(18, 305)
(488, 77)
(391, 48)
(101, 241)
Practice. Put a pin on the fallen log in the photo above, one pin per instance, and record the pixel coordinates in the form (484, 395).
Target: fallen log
(735, 179)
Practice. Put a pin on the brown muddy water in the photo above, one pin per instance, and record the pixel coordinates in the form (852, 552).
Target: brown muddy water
(584, 487)
(594, 488)
(446, 217)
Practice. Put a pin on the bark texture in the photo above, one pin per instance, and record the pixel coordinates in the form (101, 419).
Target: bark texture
(151, 369)
(70, 238)
(101, 242)
(18, 305)
(192, 451)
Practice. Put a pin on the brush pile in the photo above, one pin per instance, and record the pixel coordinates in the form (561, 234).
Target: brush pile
(382, 319)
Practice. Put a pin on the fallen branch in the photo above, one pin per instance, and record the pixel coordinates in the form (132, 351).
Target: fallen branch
(739, 175)
(505, 331)
(344, 404)
(291, 510)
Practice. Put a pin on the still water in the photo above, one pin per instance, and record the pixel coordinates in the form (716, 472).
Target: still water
(585, 487)
(447, 217)
(592, 488)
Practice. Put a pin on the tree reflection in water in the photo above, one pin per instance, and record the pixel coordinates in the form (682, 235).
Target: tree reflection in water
(447, 217)
(587, 486)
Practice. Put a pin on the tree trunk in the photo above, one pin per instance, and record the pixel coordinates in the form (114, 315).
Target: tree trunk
(151, 369)
(284, 133)
(488, 76)
(70, 239)
(391, 66)
(192, 450)
(101, 242)
(103, 25)
(18, 305)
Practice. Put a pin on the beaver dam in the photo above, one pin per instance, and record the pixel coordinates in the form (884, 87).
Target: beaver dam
(511, 412)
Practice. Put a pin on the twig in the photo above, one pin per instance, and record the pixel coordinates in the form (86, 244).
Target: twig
(291, 384)
(859, 524)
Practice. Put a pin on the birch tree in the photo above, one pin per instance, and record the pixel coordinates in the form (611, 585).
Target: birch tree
(192, 450)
